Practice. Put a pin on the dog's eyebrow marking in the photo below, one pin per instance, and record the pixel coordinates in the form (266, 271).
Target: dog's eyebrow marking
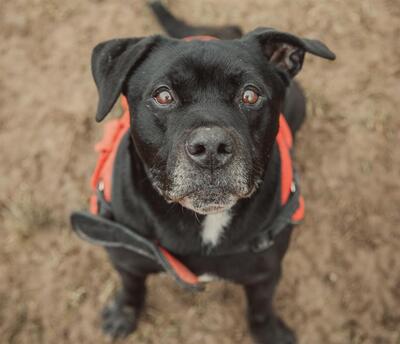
(213, 227)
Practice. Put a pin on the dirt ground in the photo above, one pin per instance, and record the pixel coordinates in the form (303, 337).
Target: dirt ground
(341, 280)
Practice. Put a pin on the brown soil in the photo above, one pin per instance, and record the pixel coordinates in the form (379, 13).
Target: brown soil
(341, 280)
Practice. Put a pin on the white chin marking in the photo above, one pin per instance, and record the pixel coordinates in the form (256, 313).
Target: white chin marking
(213, 227)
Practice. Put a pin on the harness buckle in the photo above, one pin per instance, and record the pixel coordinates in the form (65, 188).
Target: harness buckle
(100, 186)
(293, 187)
(261, 244)
(103, 207)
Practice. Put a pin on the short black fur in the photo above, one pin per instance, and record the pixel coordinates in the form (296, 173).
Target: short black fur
(153, 172)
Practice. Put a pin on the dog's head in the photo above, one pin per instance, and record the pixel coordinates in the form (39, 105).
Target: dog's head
(204, 115)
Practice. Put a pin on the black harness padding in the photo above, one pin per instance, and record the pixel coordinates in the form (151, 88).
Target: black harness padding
(101, 231)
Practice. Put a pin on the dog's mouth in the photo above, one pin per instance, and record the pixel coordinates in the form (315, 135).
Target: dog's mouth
(209, 200)
(206, 209)
(206, 193)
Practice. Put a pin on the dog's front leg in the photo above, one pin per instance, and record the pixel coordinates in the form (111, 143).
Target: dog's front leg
(265, 326)
(121, 315)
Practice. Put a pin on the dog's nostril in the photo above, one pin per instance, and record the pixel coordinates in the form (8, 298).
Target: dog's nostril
(224, 149)
(196, 149)
(210, 147)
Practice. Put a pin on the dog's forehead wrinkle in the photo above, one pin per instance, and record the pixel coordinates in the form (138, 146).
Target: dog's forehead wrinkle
(205, 74)
(180, 60)
(231, 55)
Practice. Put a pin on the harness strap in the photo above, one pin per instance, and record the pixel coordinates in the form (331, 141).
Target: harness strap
(101, 231)
(200, 38)
(284, 141)
(107, 150)
(289, 183)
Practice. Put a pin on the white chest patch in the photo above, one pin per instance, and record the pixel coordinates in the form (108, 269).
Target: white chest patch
(213, 227)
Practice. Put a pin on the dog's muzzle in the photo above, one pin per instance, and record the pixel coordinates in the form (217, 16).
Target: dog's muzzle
(212, 170)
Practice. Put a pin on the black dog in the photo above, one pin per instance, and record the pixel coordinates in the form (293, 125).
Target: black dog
(204, 119)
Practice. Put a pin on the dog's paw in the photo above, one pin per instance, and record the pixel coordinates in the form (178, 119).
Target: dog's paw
(119, 319)
(273, 332)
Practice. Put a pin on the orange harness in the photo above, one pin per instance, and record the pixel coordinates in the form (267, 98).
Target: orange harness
(103, 231)
(100, 230)
(107, 150)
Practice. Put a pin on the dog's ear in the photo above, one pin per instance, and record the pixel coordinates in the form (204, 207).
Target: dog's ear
(112, 61)
(286, 51)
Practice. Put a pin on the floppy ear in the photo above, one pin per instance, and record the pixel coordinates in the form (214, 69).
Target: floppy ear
(112, 62)
(286, 51)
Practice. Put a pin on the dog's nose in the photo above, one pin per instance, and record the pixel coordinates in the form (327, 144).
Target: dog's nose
(210, 147)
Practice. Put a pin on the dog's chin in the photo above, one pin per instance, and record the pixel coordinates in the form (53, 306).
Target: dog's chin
(204, 207)
(209, 200)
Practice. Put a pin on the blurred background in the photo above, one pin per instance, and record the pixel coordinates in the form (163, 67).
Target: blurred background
(341, 281)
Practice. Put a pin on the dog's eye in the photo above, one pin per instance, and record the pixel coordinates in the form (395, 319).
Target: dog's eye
(250, 97)
(163, 97)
